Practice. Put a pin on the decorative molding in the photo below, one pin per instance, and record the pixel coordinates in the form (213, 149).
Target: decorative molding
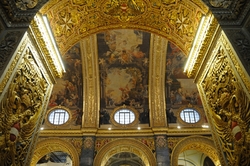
(209, 31)
(5, 54)
(157, 60)
(43, 42)
(92, 83)
(199, 143)
(73, 21)
(125, 145)
(70, 146)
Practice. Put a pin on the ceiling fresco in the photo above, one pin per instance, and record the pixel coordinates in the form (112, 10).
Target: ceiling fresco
(123, 63)
(68, 91)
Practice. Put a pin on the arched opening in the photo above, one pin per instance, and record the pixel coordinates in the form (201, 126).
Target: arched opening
(49, 146)
(128, 147)
(184, 151)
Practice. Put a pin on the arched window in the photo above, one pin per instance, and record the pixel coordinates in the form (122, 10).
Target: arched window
(124, 116)
(58, 116)
(190, 115)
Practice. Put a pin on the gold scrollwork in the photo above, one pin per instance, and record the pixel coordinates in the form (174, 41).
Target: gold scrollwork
(125, 145)
(228, 107)
(71, 22)
(21, 108)
(46, 146)
(199, 143)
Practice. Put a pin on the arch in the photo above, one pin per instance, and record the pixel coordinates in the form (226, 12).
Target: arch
(83, 18)
(46, 146)
(199, 143)
(125, 145)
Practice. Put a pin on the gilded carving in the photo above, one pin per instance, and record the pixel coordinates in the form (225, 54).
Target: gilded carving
(45, 146)
(38, 32)
(124, 9)
(158, 58)
(199, 143)
(125, 145)
(209, 30)
(20, 111)
(72, 22)
(235, 60)
(229, 108)
(91, 89)
(12, 65)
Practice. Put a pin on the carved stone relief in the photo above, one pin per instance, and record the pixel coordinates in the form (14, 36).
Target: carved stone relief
(20, 111)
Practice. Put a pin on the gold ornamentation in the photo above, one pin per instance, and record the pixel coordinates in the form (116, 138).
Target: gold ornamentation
(175, 20)
(88, 143)
(125, 145)
(21, 108)
(202, 45)
(124, 10)
(199, 143)
(157, 81)
(161, 142)
(91, 88)
(228, 107)
(46, 146)
(40, 36)
(13, 64)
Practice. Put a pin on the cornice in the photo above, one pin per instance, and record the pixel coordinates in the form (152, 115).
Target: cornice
(125, 132)
(43, 42)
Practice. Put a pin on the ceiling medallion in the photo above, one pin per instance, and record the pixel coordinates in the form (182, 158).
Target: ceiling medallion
(124, 10)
